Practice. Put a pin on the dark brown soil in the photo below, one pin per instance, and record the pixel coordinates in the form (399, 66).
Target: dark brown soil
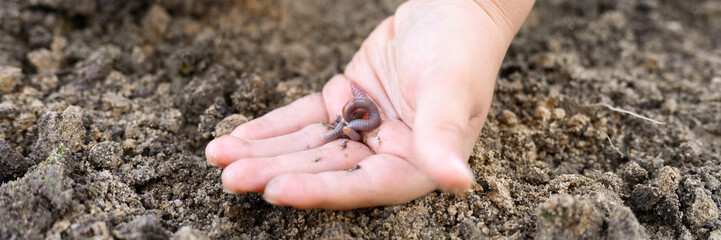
(106, 107)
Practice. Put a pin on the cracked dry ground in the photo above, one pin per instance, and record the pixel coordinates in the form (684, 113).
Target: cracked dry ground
(106, 106)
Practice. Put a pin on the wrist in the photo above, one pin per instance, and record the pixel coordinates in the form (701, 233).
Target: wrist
(506, 14)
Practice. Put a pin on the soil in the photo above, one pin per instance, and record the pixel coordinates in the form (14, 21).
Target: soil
(106, 107)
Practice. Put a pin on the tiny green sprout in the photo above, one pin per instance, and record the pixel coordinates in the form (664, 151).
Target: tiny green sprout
(60, 150)
(545, 215)
(11, 186)
(185, 70)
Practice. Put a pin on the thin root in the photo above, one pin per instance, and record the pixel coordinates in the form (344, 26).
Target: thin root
(614, 147)
(631, 113)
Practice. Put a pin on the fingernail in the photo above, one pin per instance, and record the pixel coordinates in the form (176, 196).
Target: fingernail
(225, 190)
(457, 190)
(460, 167)
(211, 154)
(265, 197)
(269, 187)
(226, 177)
(211, 163)
(270, 191)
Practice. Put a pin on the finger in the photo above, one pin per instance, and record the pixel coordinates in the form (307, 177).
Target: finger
(227, 149)
(251, 175)
(336, 93)
(304, 111)
(443, 136)
(454, 81)
(391, 137)
(371, 66)
(381, 179)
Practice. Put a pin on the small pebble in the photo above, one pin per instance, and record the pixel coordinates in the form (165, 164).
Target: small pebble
(9, 78)
(155, 23)
(508, 118)
(577, 122)
(667, 179)
(542, 114)
(189, 233)
(8, 108)
(44, 60)
(559, 113)
(116, 103)
(703, 209)
(669, 106)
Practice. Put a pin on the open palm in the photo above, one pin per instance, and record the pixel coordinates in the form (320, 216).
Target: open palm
(430, 69)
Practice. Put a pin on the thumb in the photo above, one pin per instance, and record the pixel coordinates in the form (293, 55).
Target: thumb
(443, 135)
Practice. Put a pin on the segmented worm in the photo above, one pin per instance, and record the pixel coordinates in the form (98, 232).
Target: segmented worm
(359, 114)
(371, 112)
(352, 134)
(357, 92)
(335, 133)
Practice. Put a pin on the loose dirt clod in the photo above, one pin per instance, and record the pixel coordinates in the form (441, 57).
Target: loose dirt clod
(228, 124)
(344, 144)
(15, 164)
(356, 167)
(60, 129)
(9, 78)
(564, 216)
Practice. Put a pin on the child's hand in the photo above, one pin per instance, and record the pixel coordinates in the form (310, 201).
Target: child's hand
(430, 69)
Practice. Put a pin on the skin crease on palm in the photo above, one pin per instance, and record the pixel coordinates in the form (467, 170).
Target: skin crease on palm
(431, 70)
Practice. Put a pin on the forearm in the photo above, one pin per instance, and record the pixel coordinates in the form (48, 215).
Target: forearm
(496, 20)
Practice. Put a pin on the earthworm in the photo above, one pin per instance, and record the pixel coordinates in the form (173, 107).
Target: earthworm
(357, 92)
(352, 134)
(361, 124)
(335, 133)
(359, 114)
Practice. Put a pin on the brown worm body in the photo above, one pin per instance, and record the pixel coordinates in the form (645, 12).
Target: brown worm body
(360, 124)
(357, 92)
(359, 114)
(335, 133)
(352, 134)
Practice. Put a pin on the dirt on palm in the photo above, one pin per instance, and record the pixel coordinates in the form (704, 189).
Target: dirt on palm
(106, 107)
